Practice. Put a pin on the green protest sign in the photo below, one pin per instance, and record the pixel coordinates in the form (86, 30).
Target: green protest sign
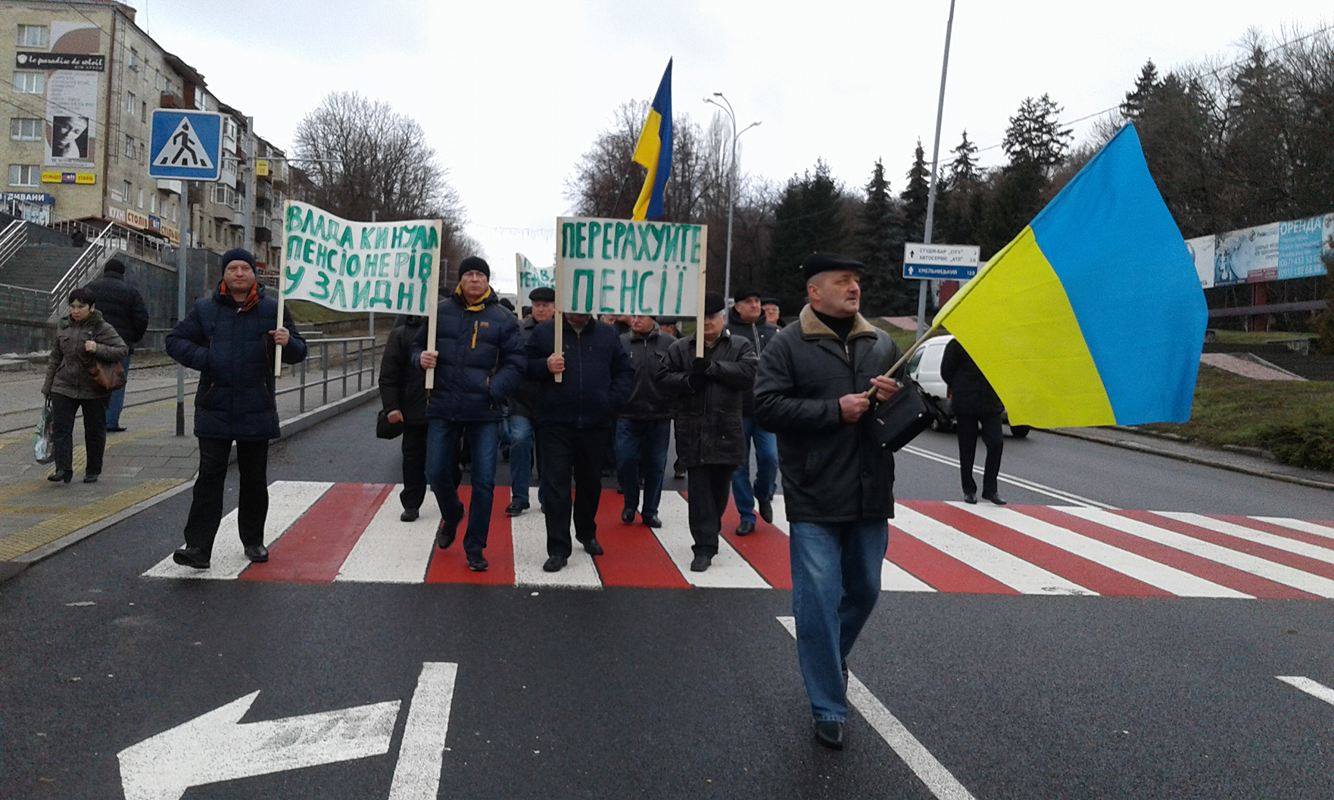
(389, 267)
(613, 266)
(530, 277)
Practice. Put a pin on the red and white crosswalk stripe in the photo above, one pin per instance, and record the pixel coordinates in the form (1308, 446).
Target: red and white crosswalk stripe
(350, 533)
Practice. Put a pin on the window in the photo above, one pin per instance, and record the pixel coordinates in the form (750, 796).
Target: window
(34, 36)
(30, 82)
(140, 204)
(125, 190)
(24, 174)
(131, 104)
(174, 208)
(152, 203)
(143, 111)
(23, 129)
(134, 59)
(130, 151)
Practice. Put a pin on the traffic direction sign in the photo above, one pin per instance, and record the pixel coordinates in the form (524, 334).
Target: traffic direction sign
(951, 262)
(186, 145)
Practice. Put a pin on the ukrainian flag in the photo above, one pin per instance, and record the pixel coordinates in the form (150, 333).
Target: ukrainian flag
(653, 151)
(1093, 315)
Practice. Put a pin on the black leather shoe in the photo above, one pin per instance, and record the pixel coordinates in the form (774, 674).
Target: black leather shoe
(117, 429)
(995, 498)
(700, 562)
(766, 509)
(64, 475)
(190, 557)
(652, 521)
(445, 533)
(554, 564)
(477, 563)
(627, 515)
(746, 528)
(970, 498)
(409, 515)
(515, 508)
(257, 553)
(829, 734)
(92, 478)
(593, 547)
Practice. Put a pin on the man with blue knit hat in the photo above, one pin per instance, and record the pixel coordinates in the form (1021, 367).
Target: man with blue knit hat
(478, 363)
(838, 483)
(229, 338)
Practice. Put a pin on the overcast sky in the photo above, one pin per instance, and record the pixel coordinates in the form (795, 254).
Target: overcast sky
(511, 94)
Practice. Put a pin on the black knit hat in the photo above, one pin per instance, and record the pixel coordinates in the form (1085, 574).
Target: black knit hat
(713, 303)
(238, 254)
(816, 263)
(542, 294)
(474, 264)
(743, 294)
(116, 266)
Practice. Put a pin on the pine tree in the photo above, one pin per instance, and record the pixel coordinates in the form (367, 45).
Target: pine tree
(1145, 85)
(879, 241)
(808, 219)
(914, 196)
(1035, 136)
(963, 167)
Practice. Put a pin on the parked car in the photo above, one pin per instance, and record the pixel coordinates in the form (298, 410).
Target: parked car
(924, 367)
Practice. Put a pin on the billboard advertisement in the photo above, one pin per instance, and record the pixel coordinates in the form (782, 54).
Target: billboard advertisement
(71, 95)
(1278, 251)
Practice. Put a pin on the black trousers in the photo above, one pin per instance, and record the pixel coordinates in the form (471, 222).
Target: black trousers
(252, 461)
(414, 466)
(709, 487)
(94, 431)
(570, 453)
(991, 436)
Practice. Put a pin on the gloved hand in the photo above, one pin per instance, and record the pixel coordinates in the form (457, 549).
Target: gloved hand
(696, 378)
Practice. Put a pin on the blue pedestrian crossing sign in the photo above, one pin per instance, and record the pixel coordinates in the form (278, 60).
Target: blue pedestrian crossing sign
(186, 145)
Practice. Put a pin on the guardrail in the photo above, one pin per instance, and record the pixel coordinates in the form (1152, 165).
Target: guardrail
(365, 350)
(12, 238)
(94, 256)
(128, 240)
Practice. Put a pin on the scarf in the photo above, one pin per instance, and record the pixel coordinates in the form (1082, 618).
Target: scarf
(481, 301)
(251, 299)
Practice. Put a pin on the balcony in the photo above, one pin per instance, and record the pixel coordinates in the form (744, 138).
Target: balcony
(263, 234)
(172, 187)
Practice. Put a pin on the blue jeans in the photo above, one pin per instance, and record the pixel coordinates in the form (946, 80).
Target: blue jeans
(641, 450)
(766, 469)
(117, 401)
(442, 472)
(835, 584)
(519, 434)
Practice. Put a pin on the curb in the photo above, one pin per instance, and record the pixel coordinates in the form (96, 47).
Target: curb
(287, 429)
(1143, 448)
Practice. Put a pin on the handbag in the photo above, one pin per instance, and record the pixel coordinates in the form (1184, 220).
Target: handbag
(43, 449)
(108, 376)
(384, 429)
(898, 420)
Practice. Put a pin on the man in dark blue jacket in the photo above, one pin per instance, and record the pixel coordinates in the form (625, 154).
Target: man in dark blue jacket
(123, 306)
(574, 423)
(229, 338)
(478, 362)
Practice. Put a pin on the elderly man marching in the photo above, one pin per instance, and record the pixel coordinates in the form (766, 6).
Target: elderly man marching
(709, 431)
(645, 424)
(478, 364)
(838, 483)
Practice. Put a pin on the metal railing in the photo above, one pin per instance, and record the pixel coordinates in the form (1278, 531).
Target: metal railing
(93, 257)
(345, 357)
(12, 238)
(128, 240)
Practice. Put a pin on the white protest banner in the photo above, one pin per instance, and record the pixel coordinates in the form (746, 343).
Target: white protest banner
(530, 276)
(391, 267)
(613, 266)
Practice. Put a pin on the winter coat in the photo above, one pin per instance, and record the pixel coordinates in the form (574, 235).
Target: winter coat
(708, 419)
(480, 359)
(598, 374)
(647, 401)
(758, 333)
(402, 382)
(122, 306)
(524, 399)
(67, 366)
(832, 471)
(970, 392)
(231, 348)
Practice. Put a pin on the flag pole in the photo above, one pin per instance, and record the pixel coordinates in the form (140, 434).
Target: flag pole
(903, 359)
(699, 294)
(282, 296)
(558, 341)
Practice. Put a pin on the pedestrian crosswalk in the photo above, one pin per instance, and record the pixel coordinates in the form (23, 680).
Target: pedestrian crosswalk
(324, 533)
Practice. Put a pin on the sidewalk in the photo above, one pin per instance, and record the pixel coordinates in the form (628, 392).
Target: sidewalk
(38, 517)
(1129, 439)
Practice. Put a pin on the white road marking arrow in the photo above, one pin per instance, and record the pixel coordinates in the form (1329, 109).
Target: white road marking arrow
(215, 747)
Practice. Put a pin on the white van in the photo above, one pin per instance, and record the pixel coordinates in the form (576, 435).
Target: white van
(924, 367)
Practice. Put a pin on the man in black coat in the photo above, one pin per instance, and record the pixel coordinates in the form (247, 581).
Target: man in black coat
(975, 405)
(746, 319)
(519, 422)
(229, 338)
(711, 392)
(478, 361)
(123, 307)
(403, 395)
(574, 423)
(645, 424)
(838, 483)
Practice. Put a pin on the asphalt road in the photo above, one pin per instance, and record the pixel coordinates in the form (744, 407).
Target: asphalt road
(658, 694)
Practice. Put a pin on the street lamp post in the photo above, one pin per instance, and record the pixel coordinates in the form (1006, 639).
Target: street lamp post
(731, 185)
(935, 171)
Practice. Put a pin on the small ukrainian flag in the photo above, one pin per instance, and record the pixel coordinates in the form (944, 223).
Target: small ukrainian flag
(653, 151)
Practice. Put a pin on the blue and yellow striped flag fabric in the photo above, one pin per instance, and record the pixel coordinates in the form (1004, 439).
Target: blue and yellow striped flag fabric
(1093, 314)
(653, 151)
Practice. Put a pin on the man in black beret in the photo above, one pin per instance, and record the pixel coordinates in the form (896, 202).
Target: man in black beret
(838, 483)
(519, 423)
(773, 312)
(747, 321)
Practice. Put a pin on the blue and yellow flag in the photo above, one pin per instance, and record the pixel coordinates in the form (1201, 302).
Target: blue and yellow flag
(653, 151)
(1093, 315)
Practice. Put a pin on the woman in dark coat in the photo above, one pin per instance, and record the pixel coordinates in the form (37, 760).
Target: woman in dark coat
(81, 337)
